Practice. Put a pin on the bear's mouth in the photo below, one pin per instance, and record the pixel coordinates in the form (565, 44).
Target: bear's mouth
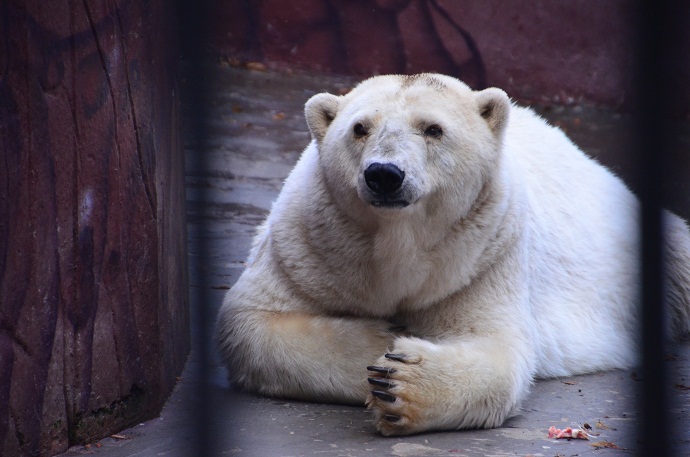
(392, 204)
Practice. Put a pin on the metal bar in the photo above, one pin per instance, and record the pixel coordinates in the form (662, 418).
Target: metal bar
(658, 27)
(193, 20)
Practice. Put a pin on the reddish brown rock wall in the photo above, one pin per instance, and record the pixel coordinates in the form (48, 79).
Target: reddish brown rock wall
(93, 300)
(537, 50)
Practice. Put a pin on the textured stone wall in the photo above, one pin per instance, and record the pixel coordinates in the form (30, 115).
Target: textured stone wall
(93, 273)
(538, 50)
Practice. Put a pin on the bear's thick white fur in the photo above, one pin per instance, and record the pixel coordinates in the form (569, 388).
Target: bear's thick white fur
(506, 254)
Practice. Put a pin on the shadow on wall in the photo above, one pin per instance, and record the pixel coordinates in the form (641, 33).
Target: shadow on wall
(351, 37)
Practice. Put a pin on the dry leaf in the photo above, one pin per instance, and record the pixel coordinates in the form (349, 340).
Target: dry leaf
(605, 444)
(602, 426)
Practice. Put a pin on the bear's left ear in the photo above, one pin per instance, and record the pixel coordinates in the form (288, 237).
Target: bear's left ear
(494, 107)
(320, 110)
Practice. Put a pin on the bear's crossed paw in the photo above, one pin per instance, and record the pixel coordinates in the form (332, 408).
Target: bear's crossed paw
(423, 388)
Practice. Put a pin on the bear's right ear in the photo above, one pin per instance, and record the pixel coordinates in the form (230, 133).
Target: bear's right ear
(320, 110)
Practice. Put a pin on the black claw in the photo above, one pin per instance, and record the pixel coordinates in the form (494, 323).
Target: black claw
(397, 357)
(385, 396)
(380, 382)
(391, 418)
(382, 370)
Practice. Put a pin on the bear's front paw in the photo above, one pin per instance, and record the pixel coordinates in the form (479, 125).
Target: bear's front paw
(421, 386)
(399, 395)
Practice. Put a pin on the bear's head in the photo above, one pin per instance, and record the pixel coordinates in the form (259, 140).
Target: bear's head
(400, 144)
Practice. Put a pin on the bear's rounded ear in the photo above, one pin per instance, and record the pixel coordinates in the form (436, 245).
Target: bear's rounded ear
(494, 107)
(320, 110)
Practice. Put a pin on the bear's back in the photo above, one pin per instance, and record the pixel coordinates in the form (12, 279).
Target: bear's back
(583, 232)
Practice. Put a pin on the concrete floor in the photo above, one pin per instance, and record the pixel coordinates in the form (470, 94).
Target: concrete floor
(255, 132)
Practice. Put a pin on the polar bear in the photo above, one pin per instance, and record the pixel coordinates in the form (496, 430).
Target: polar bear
(434, 250)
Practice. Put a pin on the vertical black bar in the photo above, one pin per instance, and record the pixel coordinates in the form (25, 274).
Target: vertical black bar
(193, 19)
(656, 36)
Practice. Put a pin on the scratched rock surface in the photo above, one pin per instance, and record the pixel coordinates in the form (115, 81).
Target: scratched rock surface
(255, 132)
(93, 299)
(490, 42)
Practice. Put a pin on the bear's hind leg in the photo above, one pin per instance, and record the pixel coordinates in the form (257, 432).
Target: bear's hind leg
(677, 258)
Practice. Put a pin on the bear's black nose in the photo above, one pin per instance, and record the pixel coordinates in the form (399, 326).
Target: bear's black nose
(384, 178)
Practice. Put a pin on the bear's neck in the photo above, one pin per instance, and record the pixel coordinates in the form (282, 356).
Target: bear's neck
(414, 260)
(387, 263)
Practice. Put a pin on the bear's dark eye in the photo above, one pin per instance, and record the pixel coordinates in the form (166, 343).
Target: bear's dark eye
(359, 130)
(434, 131)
